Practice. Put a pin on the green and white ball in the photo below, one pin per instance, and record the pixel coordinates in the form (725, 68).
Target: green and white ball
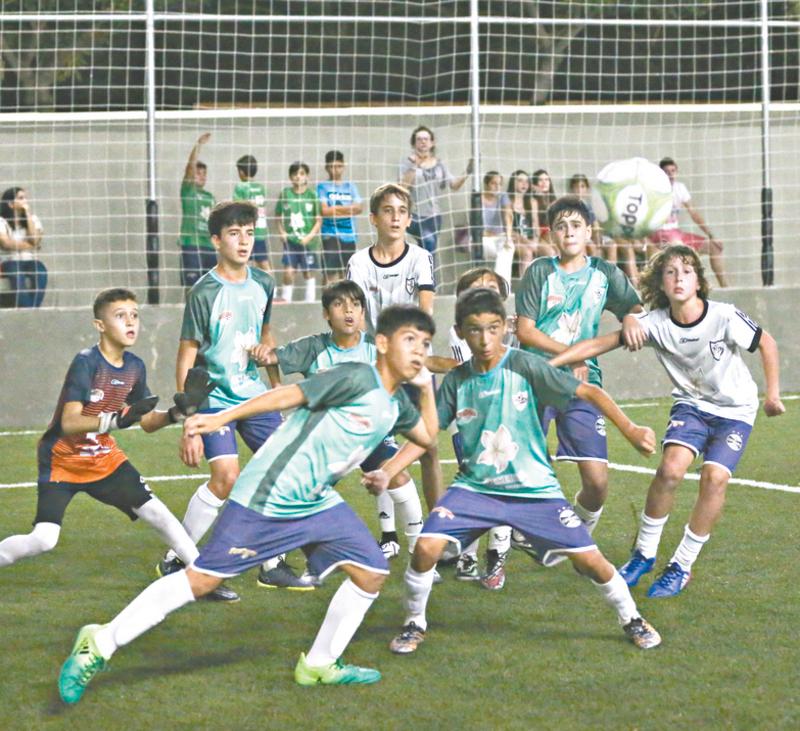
(632, 198)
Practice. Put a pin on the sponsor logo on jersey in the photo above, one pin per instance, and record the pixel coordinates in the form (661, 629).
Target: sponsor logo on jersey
(390, 276)
(411, 284)
(688, 340)
(717, 348)
(116, 382)
(520, 400)
(486, 394)
(735, 441)
(96, 395)
(568, 518)
(466, 415)
(600, 426)
(225, 315)
(444, 512)
(363, 423)
(242, 552)
(553, 300)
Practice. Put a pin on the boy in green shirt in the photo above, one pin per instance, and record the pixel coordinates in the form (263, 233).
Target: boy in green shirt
(197, 251)
(249, 190)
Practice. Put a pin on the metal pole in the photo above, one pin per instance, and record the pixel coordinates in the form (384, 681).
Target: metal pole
(475, 214)
(767, 254)
(151, 205)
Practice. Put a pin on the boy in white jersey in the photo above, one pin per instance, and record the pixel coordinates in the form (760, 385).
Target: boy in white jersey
(227, 311)
(285, 499)
(506, 476)
(712, 415)
(391, 272)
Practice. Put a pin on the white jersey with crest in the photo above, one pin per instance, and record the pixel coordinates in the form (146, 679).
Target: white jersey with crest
(703, 359)
(396, 283)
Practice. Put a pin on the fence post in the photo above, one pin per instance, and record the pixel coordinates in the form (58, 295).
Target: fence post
(151, 205)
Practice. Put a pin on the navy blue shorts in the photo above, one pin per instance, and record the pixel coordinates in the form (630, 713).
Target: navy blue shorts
(550, 524)
(581, 430)
(254, 431)
(298, 257)
(260, 251)
(387, 449)
(243, 539)
(721, 441)
(195, 262)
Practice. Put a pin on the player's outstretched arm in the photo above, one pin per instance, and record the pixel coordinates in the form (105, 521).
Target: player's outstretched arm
(587, 349)
(643, 438)
(768, 349)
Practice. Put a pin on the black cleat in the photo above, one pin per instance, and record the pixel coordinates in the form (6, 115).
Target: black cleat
(169, 566)
(221, 594)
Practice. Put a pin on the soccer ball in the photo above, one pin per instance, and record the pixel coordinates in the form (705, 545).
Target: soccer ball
(632, 198)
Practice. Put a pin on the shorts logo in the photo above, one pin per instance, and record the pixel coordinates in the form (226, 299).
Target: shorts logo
(520, 400)
(600, 426)
(411, 285)
(96, 395)
(464, 416)
(734, 441)
(243, 552)
(568, 518)
(675, 423)
(222, 431)
(444, 512)
(717, 348)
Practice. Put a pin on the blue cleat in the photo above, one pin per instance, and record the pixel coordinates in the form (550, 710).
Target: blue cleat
(670, 582)
(636, 567)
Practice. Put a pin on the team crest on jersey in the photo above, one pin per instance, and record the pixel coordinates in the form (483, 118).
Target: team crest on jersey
(568, 518)
(520, 400)
(97, 394)
(734, 440)
(444, 512)
(600, 425)
(464, 416)
(554, 300)
(498, 448)
(717, 348)
(411, 285)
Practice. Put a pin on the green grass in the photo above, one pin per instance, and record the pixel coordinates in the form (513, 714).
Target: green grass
(545, 653)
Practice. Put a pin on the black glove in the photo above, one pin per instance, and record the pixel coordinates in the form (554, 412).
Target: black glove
(196, 388)
(126, 416)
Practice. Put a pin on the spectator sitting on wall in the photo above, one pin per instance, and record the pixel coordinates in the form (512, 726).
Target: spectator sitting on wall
(20, 237)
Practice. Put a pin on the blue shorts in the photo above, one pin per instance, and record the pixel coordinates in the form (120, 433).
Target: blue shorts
(195, 262)
(260, 251)
(243, 539)
(426, 231)
(336, 253)
(550, 524)
(298, 257)
(581, 431)
(721, 441)
(387, 449)
(254, 431)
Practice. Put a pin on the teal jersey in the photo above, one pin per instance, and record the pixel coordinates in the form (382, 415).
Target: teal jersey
(347, 415)
(316, 353)
(568, 306)
(256, 194)
(226, 319)
(497, 415)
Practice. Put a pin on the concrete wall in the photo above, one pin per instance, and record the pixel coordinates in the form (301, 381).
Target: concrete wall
(87, 179)
(36, 348)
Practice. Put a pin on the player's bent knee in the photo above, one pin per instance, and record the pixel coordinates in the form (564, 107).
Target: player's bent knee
(427, 552)
(202, 584)
(46, 535)
(366, 580)
(592, 564)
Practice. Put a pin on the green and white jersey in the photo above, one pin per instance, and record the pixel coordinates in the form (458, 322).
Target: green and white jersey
(348, 414)
(568, 306)
(255, 193)
(196, 205)
(299, 212)
(497, 415)
(316, 353)
(226, 319)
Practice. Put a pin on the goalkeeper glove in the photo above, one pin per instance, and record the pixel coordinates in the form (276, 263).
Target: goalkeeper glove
(126, 416)
(196, 388)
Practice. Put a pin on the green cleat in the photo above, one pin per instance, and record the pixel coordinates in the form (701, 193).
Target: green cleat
(81, 666)
(336, 673)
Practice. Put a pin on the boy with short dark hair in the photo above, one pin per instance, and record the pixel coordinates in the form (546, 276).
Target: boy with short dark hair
(299, 220)
(253, 192)
(341, 202)
(105, 389)
(506, 476)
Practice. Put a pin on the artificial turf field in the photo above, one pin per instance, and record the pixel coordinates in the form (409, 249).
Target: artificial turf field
(544, 653)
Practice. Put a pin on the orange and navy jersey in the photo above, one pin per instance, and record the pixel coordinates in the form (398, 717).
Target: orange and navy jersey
(100, 387)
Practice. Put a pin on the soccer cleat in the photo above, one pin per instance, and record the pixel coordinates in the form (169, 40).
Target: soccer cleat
(310, 578)
(390, 548)
(336, 673)
(411, 637)
(282, 577)
(169, 566)
(642, 633)
(636, 567)
(221, 594)
(83, 663)
(467, 568)
(495, 577)
(670, 582)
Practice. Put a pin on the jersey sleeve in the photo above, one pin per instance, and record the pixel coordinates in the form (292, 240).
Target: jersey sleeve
(552, 386)
(298, 355)
(743, 331)
(530, 290)
(337, 386)
(268, 285)
(407, 416)
(196, 316)
(622, 297)
(457, 346)
(355, 273)
(426, 279)
(446, 399)
(279, 205)
(140, 388)
(78, 382)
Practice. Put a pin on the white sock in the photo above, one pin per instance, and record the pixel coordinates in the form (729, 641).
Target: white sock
(472, 548)
(201, 512)
(311, 289)
(649, 537)
(147, 610)
(688, 549)
(286, 292)
(500, 539)
(156, 514)
(271, 563)
(418, 589)
(43, 537)
(590, 518)
(344, 616)
(618, 595)
(386, 512)
(407, 504)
